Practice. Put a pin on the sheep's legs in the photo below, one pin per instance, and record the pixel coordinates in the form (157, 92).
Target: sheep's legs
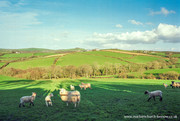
(160, 98)
(154, 98)
(149, 99)
(50, 103)
(46, 104)
(19, 105)
(75, 105)
(31, 103)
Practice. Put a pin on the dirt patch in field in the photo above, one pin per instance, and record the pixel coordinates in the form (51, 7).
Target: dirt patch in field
(132, 53)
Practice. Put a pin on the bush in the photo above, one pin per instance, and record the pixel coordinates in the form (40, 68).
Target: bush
(171, 75)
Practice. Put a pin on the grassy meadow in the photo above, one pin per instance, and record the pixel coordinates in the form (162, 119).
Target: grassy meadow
(109, 99)
(38, 62)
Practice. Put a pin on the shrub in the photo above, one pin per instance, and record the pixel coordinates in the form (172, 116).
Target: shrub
(171, 75)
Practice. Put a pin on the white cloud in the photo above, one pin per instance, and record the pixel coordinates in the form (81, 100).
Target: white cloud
(164, 32)
(17, 20)
(135, 22)
(163, 11)
(4, 4)
(119, 26)
(149, 23)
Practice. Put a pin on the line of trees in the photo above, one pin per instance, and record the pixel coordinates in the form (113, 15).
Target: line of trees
(70, 71)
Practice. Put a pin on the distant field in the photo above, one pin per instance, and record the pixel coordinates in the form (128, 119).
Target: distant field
(111, 54)
(39, 62)
(176, 55)
(159, 54)
(20, 55)
(162, 70)
(108, 100)
(9, 59)
(142, 59)
(78, 59)
(43, 54)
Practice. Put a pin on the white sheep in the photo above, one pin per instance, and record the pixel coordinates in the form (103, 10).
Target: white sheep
(154, 94)
(70, 96)
(48, 99)
(72, 87)
(27, 99)
(165, 85)
(82, 86)
(86, 85)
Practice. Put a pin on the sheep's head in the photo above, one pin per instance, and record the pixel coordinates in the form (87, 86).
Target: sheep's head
(51, 95)
(34, 94)
(62, 90)
(146, 92)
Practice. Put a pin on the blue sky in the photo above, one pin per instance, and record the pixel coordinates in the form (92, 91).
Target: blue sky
(62, 24)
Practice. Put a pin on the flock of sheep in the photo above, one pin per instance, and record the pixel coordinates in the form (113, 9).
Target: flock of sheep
(66, 96)
(74, 95)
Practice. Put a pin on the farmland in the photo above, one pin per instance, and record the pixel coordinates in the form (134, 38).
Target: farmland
(80, 59)
(40, 62)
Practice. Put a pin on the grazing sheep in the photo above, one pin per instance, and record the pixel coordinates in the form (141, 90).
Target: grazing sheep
(165, 85)
(82, 86)
(48, 99)
(154, 94)
(87, 85)
(175, 84)
(70, 96)
(27, 99)
(72, 87)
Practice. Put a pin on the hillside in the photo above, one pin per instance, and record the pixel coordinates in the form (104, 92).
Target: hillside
(32, 59)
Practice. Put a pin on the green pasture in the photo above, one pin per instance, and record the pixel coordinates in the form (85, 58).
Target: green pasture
(176, 55)
(109, 99)
(109, 54)
(78, 59)
(155, 71)
(39, 62)
(159, 54)
(18, 55)
(43, 54)
(142, 59)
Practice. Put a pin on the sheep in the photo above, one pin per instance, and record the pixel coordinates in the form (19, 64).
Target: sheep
(72, 87)
(48, 99)
(165, 85)
(27, 99)
(175, 84)
(70, 96)
(154, 94)
(87, 85)
(82, 86)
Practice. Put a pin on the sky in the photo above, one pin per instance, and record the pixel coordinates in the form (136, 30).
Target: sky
(102, 24)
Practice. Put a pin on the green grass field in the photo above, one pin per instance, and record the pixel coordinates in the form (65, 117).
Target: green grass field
(109, 99)
(162, 70)
(39, 62)
(78, 59)
(18, 55)
(142, 59)
(43, 54)
(110, 54)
